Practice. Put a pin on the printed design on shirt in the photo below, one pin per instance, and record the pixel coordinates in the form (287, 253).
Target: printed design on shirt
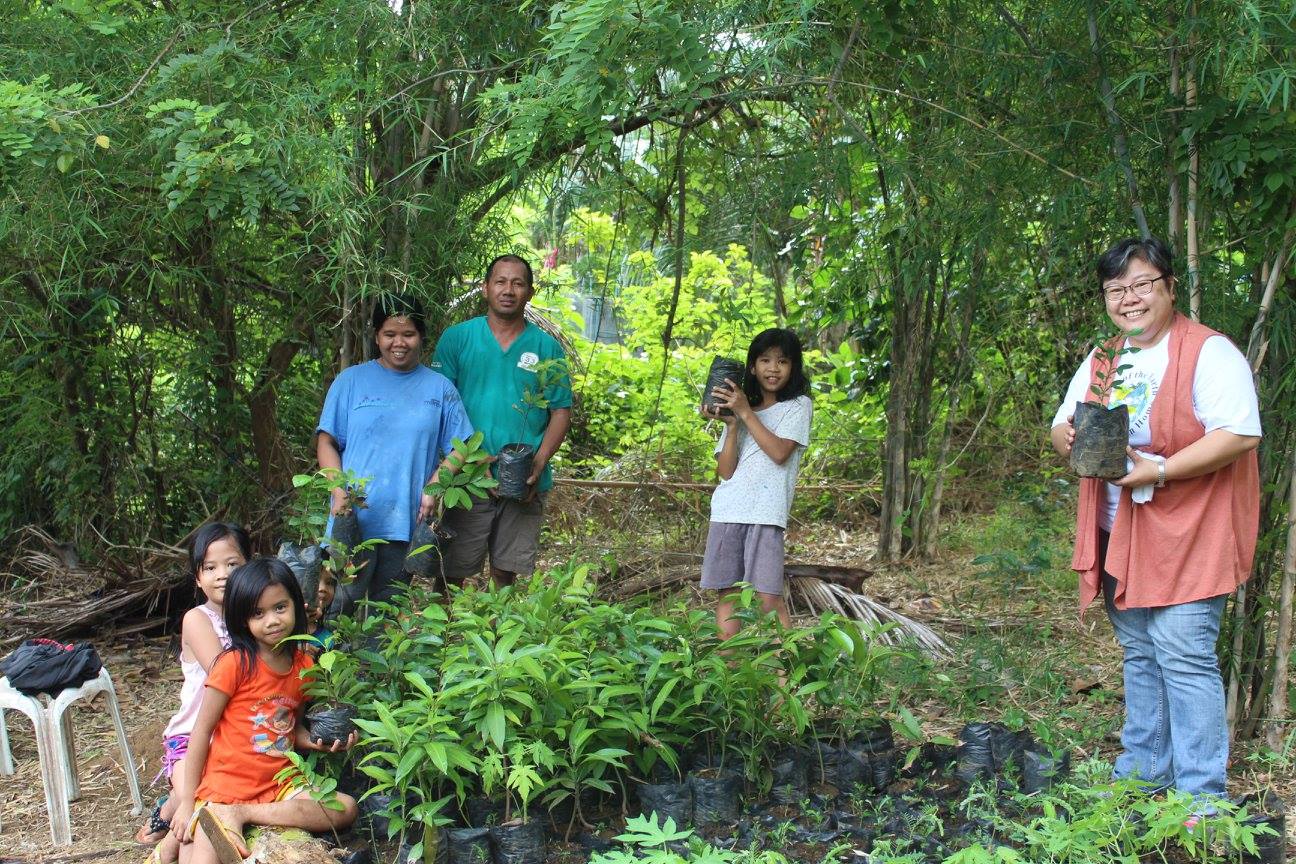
(273, 719)
(374, 402)
(1136, 393)
(529, 360)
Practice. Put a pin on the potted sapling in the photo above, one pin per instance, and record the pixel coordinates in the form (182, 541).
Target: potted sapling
(306, 520)
(722, 369)
(1102, 429)
(468, 478)
(515, 461)
(333, 684)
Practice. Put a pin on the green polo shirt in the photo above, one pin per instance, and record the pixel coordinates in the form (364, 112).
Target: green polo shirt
(493, 383)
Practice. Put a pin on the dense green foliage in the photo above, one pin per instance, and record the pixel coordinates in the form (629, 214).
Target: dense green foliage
(538, 694)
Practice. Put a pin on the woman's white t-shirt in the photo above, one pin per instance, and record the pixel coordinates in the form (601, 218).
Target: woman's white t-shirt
(760, 490)
(1224, 396)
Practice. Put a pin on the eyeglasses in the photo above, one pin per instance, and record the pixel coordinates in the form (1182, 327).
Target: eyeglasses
(1141, 288)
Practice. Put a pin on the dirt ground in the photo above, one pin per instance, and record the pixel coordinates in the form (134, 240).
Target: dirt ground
(148, 678)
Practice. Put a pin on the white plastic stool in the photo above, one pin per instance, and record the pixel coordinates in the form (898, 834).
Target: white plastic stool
(56, 751)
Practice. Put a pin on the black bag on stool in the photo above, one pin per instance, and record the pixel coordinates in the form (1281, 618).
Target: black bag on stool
(45, 666)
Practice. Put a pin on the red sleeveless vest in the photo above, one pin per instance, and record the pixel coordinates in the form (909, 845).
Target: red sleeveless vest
(1196, 538)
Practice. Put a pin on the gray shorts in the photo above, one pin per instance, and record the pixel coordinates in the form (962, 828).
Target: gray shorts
(744, 553)
(381, 577)
(508, 530)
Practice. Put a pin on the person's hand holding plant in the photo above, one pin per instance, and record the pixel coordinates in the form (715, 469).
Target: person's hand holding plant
(730, 395)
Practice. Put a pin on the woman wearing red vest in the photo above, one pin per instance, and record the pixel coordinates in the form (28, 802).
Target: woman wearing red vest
(1165, 566)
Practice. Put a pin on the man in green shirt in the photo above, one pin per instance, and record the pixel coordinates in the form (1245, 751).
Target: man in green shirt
(513, 379)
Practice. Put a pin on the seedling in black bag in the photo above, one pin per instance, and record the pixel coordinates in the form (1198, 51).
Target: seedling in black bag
(1102, 430)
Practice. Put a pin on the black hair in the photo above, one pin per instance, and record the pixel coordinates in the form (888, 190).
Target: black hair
(513, 259)
(1115, 261)
(209, 534)
(399, 306)
(798, 384)
(243, 592)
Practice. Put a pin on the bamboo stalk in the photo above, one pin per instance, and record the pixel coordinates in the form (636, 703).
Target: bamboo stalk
(1194, 262)
(1283, 639)
(1174, 232)
(1119, 145)
(1258, 344)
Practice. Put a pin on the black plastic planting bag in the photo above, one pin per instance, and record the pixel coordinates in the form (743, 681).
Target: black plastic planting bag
(790, 769)
(429, 539)
(976, 752)
(668, 801)
(722, 369)
(512, 468)
(1007, 747)
(882, 769)
(838, 766)
(519, 843)
(484, 812)
(874, 737)
(1270, 848)
(346, 529)
(328, 723)
(373, 811)
(304, 562)
(45, 666)
(468, 846)
(716, 799)
(1041, 769)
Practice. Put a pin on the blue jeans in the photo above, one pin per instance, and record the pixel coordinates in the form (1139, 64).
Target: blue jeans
(1175, 732)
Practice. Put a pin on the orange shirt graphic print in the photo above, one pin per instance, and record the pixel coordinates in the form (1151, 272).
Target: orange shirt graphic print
(273, 720)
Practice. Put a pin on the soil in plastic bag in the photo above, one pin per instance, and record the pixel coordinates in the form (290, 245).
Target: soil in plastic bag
(328, 723)
(668, 801)
(790, 767)
(346, 529)
(484, 812)
(1007, 747)
(976, 752)
(304, 562)
(932, 758)
(468, 846)
(512, 468)
(519, 842)
(1041, 769)
(874, 737)
(1101, 436)
(717, 796)
(722, 369)
(1270, 848)
(429, 538)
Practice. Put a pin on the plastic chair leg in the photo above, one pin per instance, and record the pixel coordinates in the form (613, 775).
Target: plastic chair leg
(123, 744)
(49, 752)
(71, 784)
(6, 760)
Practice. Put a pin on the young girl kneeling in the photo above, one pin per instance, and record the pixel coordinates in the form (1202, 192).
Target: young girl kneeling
(757, 459)
(249, 718)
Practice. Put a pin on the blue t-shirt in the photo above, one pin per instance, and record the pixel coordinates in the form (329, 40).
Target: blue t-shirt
(495, 383)
(394, 428)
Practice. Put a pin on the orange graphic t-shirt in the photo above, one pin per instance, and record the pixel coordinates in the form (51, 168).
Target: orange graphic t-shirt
(255, 730)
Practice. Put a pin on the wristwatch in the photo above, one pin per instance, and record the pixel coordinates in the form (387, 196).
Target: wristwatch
(1161, 478)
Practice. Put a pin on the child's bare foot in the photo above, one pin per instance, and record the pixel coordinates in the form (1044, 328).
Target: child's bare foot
(156, 828)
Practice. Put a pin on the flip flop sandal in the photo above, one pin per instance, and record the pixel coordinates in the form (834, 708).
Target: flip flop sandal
(227, 842)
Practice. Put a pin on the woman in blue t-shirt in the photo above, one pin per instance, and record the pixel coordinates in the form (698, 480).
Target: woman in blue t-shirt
(390, 420)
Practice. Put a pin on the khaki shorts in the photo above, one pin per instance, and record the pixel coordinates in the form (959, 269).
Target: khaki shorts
(508, 530)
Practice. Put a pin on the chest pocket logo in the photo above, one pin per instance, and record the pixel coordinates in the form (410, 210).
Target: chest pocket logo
(529, 360)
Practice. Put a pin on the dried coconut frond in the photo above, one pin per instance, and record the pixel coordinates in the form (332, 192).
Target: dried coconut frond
(812, 596)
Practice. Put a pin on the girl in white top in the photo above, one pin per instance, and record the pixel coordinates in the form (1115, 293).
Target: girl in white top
(757, 458)
(218, 548)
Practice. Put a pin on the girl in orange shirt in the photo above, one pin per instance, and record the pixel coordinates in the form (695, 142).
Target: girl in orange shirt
(250, 718)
